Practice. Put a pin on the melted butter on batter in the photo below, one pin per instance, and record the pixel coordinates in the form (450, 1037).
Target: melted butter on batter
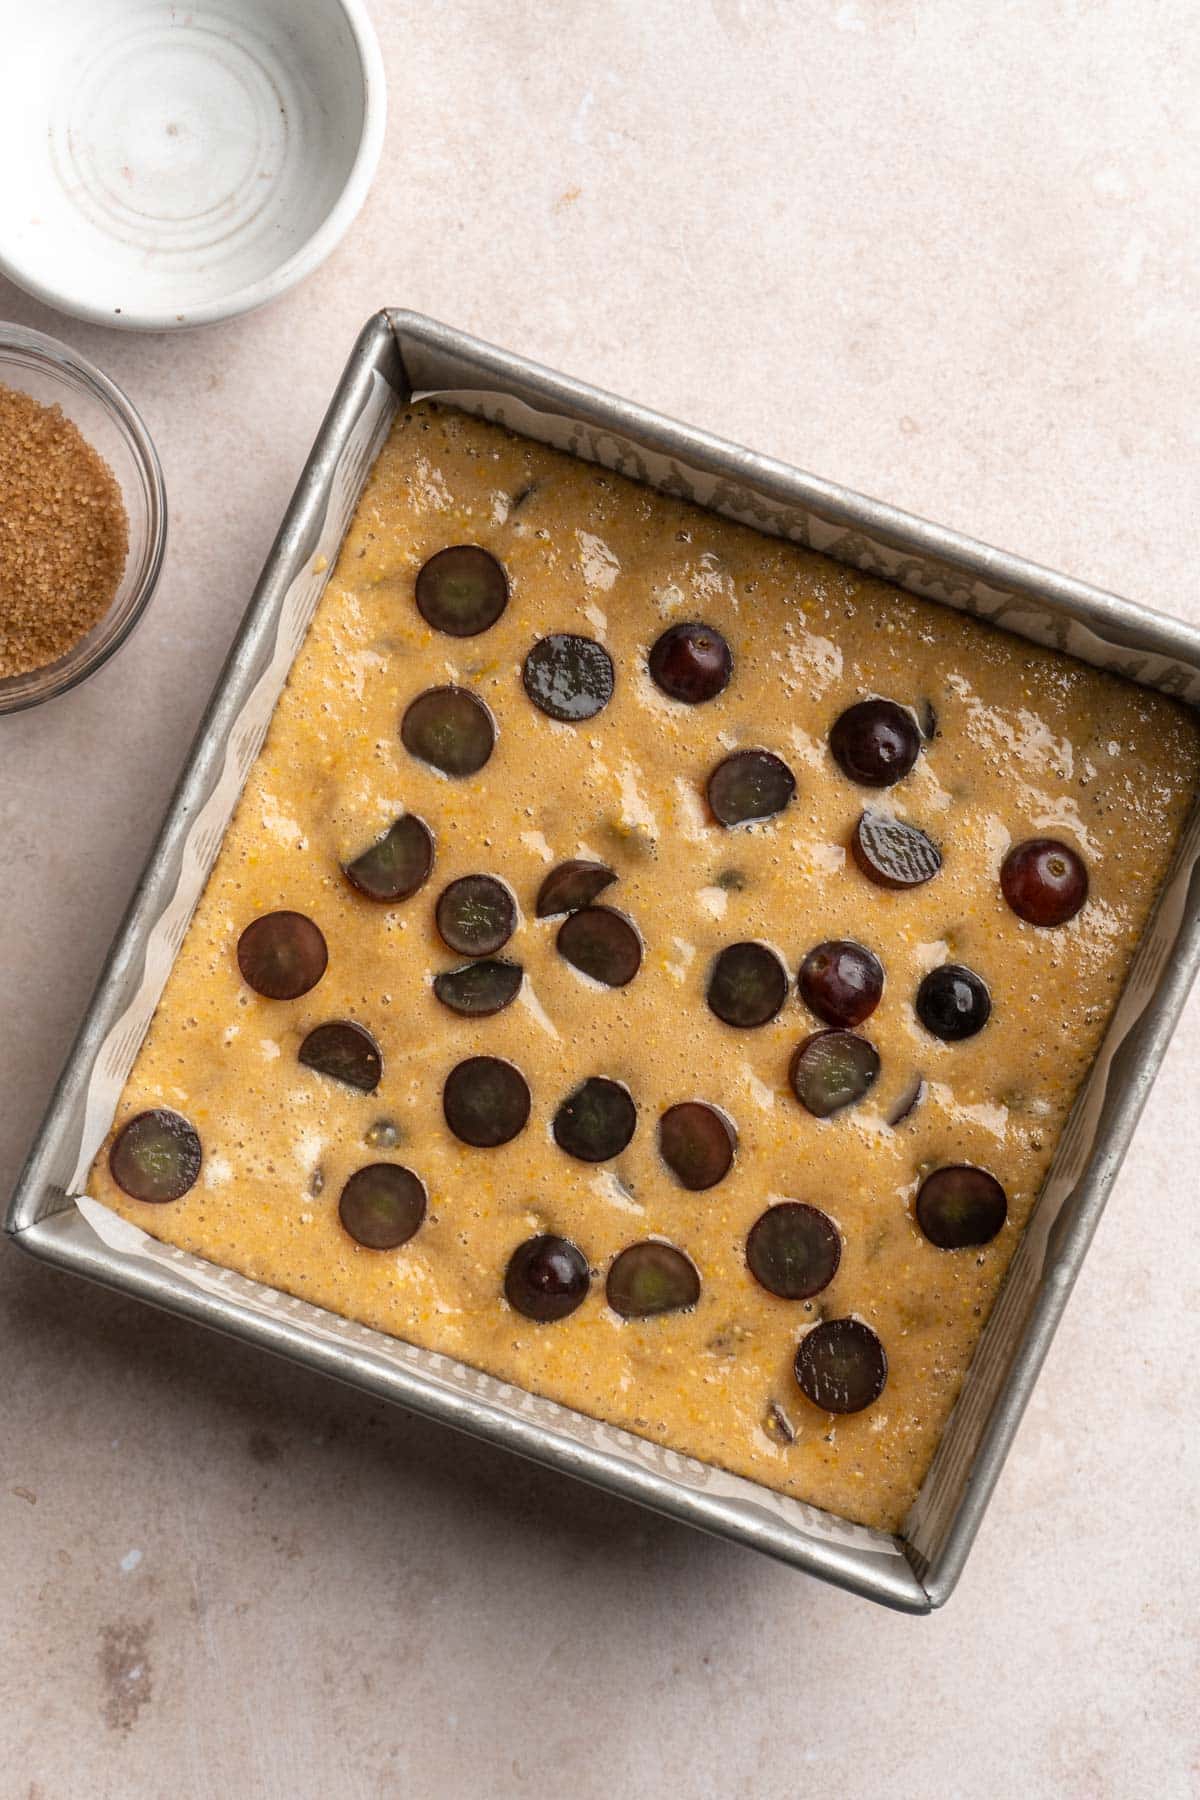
(1027, 740)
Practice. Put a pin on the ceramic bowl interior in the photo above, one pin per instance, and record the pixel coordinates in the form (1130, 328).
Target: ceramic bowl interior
(183, 163)
(56, 376)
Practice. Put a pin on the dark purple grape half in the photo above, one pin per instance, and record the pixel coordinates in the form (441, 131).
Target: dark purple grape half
(601, 943)
(841, 982)
(547, 1278)
(382, 1206)
(1044, 882)
(875, 743)
(479, 989)
(156, 1156)
(749, 785)
(697, 1143)
(282, 955)
(486, 1101)
(596, 1121)
(691, 663)
(893, 854)
(569, 678)
(960, 1206)
(345, 1052)
(451, 729)
(953, 1002)
(462, 590)
(396, 864)
(833, 1069)
(572, 886)
(793, 1250)
(476, 915)
(651, 1278)
(747, 985)
(841, 1366)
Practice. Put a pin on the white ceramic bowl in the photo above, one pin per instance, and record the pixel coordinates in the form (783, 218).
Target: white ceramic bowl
(181, 163)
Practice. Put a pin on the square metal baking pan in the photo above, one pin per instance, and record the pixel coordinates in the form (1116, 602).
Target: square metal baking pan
(916, 1571)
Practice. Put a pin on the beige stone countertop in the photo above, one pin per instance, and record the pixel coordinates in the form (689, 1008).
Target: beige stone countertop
(941, 251)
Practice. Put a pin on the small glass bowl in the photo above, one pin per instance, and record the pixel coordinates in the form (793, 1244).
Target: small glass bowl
(56, 375)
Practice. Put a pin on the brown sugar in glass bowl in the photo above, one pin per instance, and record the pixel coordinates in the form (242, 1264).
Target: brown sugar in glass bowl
(84, 526)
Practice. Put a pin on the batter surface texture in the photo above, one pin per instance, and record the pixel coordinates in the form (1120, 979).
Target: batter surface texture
(1025, 743)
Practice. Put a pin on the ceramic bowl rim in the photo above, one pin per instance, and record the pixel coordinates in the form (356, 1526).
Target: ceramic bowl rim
(294, 268)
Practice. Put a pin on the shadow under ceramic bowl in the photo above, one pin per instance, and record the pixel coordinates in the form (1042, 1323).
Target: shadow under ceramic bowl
(57, 376)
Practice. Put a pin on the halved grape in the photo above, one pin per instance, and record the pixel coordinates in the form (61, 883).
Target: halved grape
(833, 1069)
(841, 982)
(697, 1143)
(479, 989)
(568, 677)
(383, 1134)
(959, 1206)
(1044, 881)
(282, 955)
(547, 1278)
(875, 743)
(344, 1051)
(892, 853)
(451, 729)
(841, 1366)
(777, 1423)
(793, 1250)
(749, 785)
(156, 1156)
(601, 943)
(486, 1101)
(908, 1102)
(396, 864)
(596, 1121)
(953, 1002)
(382, 1206)
(461, 591)
(691, 663)
(572, 886)
(747, 985)
(476, 915)
(651, 1278)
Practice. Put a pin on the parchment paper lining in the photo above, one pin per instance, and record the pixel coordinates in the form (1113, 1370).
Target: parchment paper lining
(936, 580)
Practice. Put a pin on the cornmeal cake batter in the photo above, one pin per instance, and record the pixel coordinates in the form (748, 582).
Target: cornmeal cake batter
(954, 1030)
